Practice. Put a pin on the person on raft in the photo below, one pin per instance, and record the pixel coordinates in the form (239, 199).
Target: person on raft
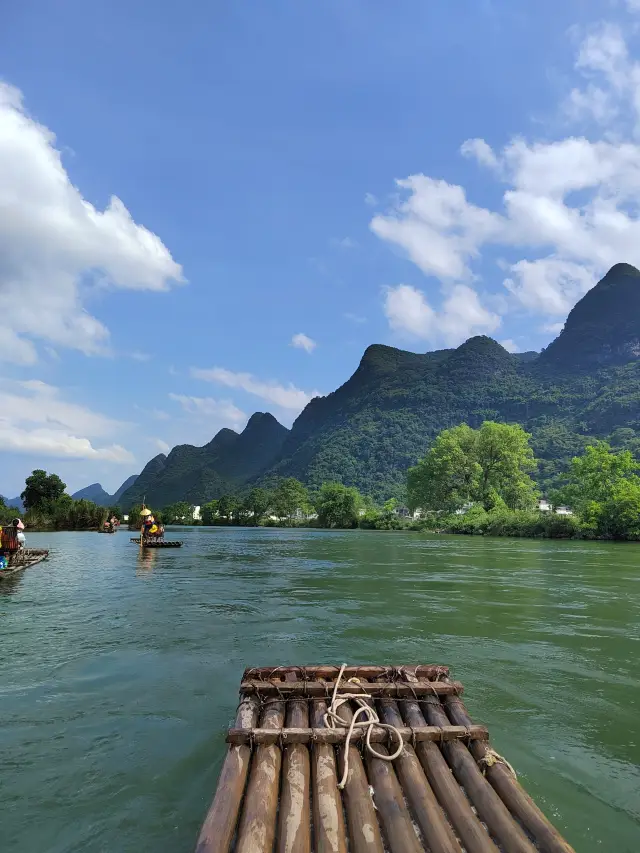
(18, 526)
(152, 530)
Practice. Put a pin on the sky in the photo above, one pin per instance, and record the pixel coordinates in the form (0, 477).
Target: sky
(210, 209)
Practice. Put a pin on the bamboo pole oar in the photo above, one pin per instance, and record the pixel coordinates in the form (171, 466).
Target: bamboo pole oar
(488, 804)
(473, 835)
(513, 795)
(294, 830)
(219, 826)
(257, 829)
(430, 817)
(328, 817)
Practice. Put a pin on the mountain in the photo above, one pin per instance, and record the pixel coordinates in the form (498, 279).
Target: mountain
(198, 474)
(94, 493)
(586, 384)
(16, 502)
(97, 494)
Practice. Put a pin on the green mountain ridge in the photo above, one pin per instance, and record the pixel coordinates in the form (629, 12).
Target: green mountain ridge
(198, 474)
(99, 496)
(585, 384)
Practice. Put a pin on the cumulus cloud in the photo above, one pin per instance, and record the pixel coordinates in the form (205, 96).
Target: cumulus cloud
(34, 418)
(55, 245)
(569, 207)
(162, 446)
(510, 345)
(286, 396)
(302, 341)
(224, 411)
(460, 317)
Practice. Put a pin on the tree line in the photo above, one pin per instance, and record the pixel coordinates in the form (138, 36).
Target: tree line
(479, 481)
(48, 506)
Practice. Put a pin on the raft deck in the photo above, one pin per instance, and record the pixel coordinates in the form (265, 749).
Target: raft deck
(23, 559)
(446, 791)
(157, 544)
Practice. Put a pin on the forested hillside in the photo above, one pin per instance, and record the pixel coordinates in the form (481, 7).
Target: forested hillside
(586, 384)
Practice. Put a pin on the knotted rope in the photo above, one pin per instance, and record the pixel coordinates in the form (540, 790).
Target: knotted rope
(492, 757)
(371, 719)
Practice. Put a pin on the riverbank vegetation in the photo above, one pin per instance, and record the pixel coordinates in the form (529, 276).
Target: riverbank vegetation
(49, 507)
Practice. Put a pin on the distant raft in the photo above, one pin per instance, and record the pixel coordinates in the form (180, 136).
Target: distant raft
(366, 759)
(152, 544)
(23, 559)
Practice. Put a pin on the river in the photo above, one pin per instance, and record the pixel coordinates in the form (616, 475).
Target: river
(119, 674)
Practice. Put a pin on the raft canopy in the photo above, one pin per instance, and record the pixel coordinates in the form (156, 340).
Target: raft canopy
(366, 759)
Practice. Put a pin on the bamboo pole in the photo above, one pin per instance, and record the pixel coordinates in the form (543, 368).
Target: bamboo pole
(257, 828)
(328, 817)
(338, 736)
(513, 795)
(488, 804)
(399, 689)
(364, 831)
(431, 819)
(220, 823)
(294, 830)
(389, 800)
(313, 673)
(473, 835)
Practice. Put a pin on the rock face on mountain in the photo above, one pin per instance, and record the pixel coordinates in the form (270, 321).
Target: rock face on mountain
(199, 474)
(586, 384)
(99, 496)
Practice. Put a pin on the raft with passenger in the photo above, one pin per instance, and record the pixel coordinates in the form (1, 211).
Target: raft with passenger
(366, 759)
(152, 533)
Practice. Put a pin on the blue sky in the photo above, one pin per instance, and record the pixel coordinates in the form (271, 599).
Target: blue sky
(294, 180)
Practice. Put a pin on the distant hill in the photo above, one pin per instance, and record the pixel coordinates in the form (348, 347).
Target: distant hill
(585, 384)
(99, 496)
(198, 474)
(16, 502)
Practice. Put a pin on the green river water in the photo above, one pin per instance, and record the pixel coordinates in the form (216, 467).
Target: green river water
(119, 674)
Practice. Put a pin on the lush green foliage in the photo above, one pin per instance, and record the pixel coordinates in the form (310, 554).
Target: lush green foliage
(505, 522)
(42, 490)
(180, 512)
(7, 513)
(256, 505)
(338, 505)
(290, 500)
(489, 466)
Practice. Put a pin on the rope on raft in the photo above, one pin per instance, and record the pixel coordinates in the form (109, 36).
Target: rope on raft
(492, 757)
(332, 720)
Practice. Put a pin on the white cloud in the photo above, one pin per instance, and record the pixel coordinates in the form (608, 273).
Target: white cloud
(225, 412)
(355, 318)
(633, 5)
(162, 446)
(510, 345)
(344, 243)
(552, 328)
(285, 396)
(54, 244)
(569, 207)
(461, 316)
(302, 341)
(35, 419)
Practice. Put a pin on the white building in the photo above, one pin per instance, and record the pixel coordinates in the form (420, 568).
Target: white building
(196, 513)
(544, 505)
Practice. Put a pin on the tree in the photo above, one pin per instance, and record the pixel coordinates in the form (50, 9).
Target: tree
(338, 505)
(289, 497)
(594, 475)
(178, 513)
(256, 504)
(209, 512)
(7, 513)
(42, 490)
(228, 508)
(489, 465)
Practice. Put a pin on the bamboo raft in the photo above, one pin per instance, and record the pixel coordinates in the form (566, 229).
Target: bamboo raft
(21, 560)
(157, 544)
(446, 791)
